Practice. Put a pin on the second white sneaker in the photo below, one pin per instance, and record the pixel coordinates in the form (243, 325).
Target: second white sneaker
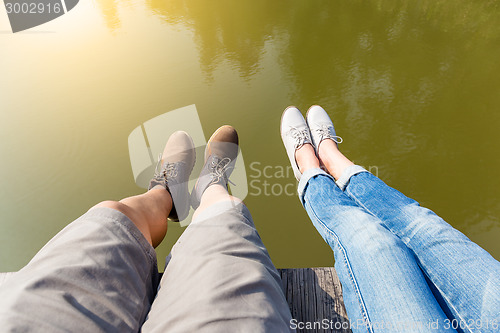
(321, 126)
(295, 134)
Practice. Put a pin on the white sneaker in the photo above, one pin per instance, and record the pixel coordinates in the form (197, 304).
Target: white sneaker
(321, 126)
(294, 133)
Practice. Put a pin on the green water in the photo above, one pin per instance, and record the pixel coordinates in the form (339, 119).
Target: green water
(413, 88)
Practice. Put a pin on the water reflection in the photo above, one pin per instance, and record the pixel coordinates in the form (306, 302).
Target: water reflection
(232, 31)
(237, 31)
(412, 88)
(404, 81)
(109, 9)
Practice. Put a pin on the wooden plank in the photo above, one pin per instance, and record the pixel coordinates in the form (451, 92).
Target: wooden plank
(335, 301)
(315, 297)
(338, 293)
(311, 294)
(284, 281)
(289, 294)
(292, 279)
(320, 301)
(302, 306)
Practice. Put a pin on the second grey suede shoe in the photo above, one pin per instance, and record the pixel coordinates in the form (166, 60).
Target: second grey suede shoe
(220, 158)
(172, 172)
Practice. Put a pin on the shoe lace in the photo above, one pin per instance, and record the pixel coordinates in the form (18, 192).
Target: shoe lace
(219, 169)
(168, 170)
(325, 131)
(300, 137)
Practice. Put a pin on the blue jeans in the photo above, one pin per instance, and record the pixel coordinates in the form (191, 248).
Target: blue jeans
(402, 268)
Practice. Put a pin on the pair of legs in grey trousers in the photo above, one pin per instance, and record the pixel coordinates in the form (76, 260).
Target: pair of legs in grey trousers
(99, 274)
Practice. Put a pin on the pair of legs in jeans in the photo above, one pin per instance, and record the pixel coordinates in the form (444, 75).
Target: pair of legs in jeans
(402, 267)
(99, 274)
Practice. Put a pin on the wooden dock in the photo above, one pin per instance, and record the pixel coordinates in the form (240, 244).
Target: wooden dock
(313, 294)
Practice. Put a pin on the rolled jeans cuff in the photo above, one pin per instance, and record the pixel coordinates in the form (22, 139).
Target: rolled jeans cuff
(347, 174)
(304, 180)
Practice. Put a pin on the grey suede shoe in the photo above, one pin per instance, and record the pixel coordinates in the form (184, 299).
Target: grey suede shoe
(220, 158)
(172, 172)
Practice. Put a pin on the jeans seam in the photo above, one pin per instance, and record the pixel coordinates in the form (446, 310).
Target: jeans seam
(352, 196)
(360, 204)
(361, 302)
(461, 318)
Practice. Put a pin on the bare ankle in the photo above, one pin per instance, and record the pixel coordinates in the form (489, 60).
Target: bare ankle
(306, 158)
(334, 161)
(326, 148)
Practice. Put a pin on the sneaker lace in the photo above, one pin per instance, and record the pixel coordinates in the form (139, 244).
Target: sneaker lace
(324, 131)
(218, 169)
(169, 170)
(300, 137)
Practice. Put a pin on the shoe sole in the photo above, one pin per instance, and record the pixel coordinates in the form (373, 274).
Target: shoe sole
(190, 171)
(281, 121)
(212, 138)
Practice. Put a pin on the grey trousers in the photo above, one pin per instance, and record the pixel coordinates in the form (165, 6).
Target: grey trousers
(99, 274)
